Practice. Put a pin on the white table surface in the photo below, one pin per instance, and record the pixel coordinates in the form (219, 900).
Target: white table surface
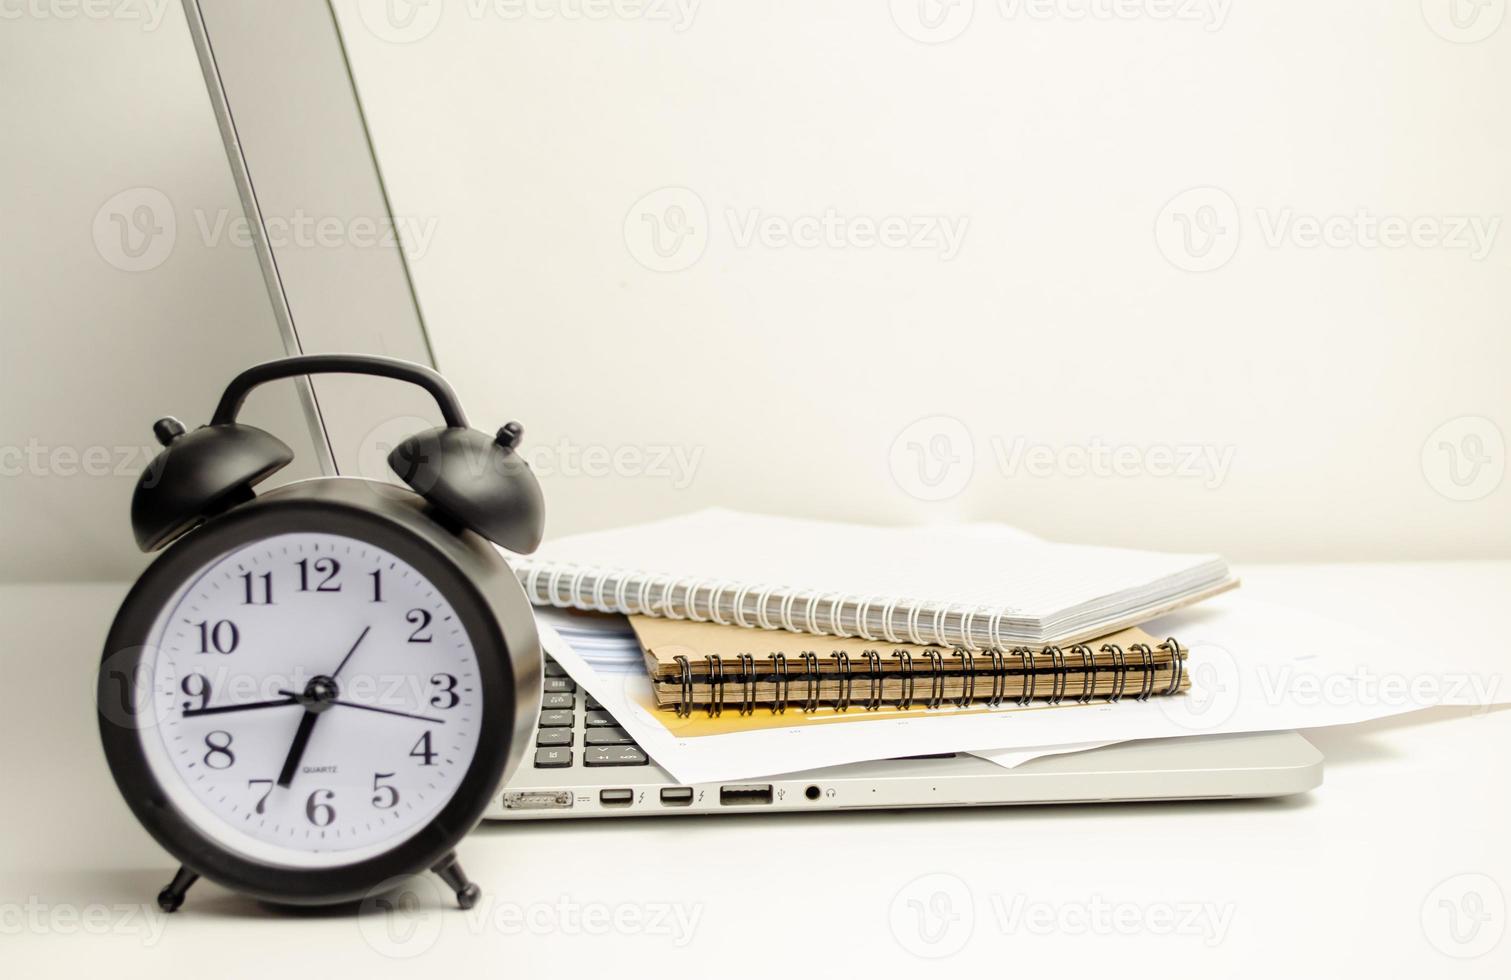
(1412, 811)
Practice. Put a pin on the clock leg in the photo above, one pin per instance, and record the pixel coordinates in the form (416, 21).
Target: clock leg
(170, 898)
(450, 870)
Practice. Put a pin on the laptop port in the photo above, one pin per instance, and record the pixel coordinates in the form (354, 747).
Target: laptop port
(538, 800)
(616, 797)
(745, 794)
(677, 796)
(812, 792)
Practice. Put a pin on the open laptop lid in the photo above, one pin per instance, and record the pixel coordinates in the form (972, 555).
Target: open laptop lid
(318, 215)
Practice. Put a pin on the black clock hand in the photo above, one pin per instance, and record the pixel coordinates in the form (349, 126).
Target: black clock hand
(349, 653)
(386, 711)
(296, 751)
(221, 709)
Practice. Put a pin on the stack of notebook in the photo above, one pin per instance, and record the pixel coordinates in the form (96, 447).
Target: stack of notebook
(742, 611)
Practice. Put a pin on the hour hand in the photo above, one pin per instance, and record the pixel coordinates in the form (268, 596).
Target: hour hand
(296, 751)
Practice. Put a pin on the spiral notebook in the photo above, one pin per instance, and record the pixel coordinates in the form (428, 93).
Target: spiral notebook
(977, 586)
(704, 665)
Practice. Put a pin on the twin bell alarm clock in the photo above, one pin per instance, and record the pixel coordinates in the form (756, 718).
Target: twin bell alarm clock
(315, 691)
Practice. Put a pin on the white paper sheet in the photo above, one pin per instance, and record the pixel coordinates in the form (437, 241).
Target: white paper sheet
(1254, 667)
(1013, 758)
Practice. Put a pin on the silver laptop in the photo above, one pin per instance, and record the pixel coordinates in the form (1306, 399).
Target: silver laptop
(262, 62)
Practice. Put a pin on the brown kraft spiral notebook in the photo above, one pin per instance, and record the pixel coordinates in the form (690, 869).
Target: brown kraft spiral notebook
(705, 665)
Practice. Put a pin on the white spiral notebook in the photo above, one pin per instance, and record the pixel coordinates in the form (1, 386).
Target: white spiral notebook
(980, 586)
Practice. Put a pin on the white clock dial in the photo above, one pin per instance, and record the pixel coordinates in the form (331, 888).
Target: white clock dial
(315, 700)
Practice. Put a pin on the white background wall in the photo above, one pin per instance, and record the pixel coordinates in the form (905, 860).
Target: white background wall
(99, 334)
(836, 380)
(842, 381)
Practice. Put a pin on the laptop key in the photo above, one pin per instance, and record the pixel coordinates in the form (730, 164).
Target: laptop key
(553, 758)
(554, 669)
(551, 702)
(560, 685)
(599, 719)
(554, 736)
(591, 702)
(556, 719)
(607, 736)
(614, 755)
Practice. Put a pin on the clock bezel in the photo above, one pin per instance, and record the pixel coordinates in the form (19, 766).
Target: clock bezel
(476, 582)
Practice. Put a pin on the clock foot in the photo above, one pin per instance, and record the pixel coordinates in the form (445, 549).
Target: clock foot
(450, 871)
(170, 898)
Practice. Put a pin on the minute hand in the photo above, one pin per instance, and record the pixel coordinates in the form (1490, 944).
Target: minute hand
(337, 702)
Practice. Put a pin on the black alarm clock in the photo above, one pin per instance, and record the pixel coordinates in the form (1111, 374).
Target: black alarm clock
(327, 682)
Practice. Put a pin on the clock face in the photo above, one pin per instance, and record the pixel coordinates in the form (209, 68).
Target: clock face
(315, 700)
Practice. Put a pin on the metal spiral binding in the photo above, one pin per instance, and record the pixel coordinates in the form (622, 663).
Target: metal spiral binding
(1030, 678)
(905, 698)
(999, 678)
(1088, 673)
(1119, 672)
(846, 680)
(873, 668)
(968, 677)
(747, 684)
(1056, 673)
(810, 670)
(1146, 657)
(782, 684)
(1176, 666)
(936, 677)
(685, 706)
(715, 685)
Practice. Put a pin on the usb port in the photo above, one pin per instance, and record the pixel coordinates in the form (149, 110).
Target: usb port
(745, 794)
(616, 797)
(677, 796)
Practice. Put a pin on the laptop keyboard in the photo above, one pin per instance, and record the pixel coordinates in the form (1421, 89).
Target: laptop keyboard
(575, 730)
